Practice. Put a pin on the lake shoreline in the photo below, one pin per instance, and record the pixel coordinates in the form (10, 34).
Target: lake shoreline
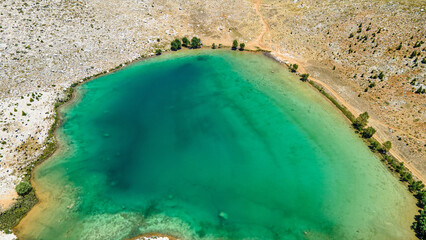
(72, 98)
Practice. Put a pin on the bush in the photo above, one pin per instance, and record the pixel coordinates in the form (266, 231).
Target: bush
(185, 42)
(399, 47)
(361, 121)
(242, 46)
(351, 35)
(420, 225)
(304, 77)
(176, 45)
(195, 43)
(23, 188)
(374, 145)
(214, 46)
(368, 132)
(158, 52)
(294, 67)
(234, 45)
(387, 146)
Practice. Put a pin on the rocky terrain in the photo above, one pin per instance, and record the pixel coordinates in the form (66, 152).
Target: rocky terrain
(365, 51)
(370, 53)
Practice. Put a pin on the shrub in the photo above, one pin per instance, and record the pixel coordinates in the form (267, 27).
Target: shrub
(368, 132)
(195, 42)
(242, 46)
(374, 145)
(413, 54)
(304, 77)
(294, 67)
(158, 52)
(185, 42)
(23, 188)
(381, 76)
(387, 146)
(214, 46)
(361, 121)
(176, 45)
(234, 45)
(399, 47)
(351, 35)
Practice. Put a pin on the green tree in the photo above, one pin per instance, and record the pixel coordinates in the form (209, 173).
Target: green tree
(361, 121)
(294, 67)
(23, 188)
(304, 77)
(195, 42)
(176, 45)
(420, 225)
(234, 45)
(242, 46)
(214, 46)
(387, 146)
(368, 132)
(185, 42)
(158, 52)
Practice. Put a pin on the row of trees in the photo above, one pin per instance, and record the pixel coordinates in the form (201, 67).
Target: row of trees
(360, 123)
(416, 187)
(235, 45)
(194, 43)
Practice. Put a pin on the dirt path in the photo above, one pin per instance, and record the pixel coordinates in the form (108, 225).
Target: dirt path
(301, 62)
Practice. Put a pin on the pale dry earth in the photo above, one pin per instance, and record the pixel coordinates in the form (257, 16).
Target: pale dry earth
(45, 46)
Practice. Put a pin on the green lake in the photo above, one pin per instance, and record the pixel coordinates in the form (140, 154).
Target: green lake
(210, 144)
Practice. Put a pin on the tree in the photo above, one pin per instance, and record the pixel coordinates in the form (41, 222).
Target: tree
(351, 35)
(214, 46)
(361, 121)
(294, 67)
(176, 45)
(195, 42)
(234, 45)
(304, 77)
(185, 42)
(158, 52)
(368, 132)
(23, 188)
(242, 46)
(387, 146)
(420, 225)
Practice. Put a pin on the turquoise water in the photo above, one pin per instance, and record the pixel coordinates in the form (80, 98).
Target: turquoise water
(208, 145)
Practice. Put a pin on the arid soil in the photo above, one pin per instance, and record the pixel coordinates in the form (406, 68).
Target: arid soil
(45, 46)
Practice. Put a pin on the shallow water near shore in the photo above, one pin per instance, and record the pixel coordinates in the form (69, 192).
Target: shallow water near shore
(207, 145)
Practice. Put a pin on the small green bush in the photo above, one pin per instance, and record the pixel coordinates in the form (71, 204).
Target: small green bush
(368, 132)
(185, 42)
(234, 45)
(23, 188)
(304, 77)
(242, 46)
